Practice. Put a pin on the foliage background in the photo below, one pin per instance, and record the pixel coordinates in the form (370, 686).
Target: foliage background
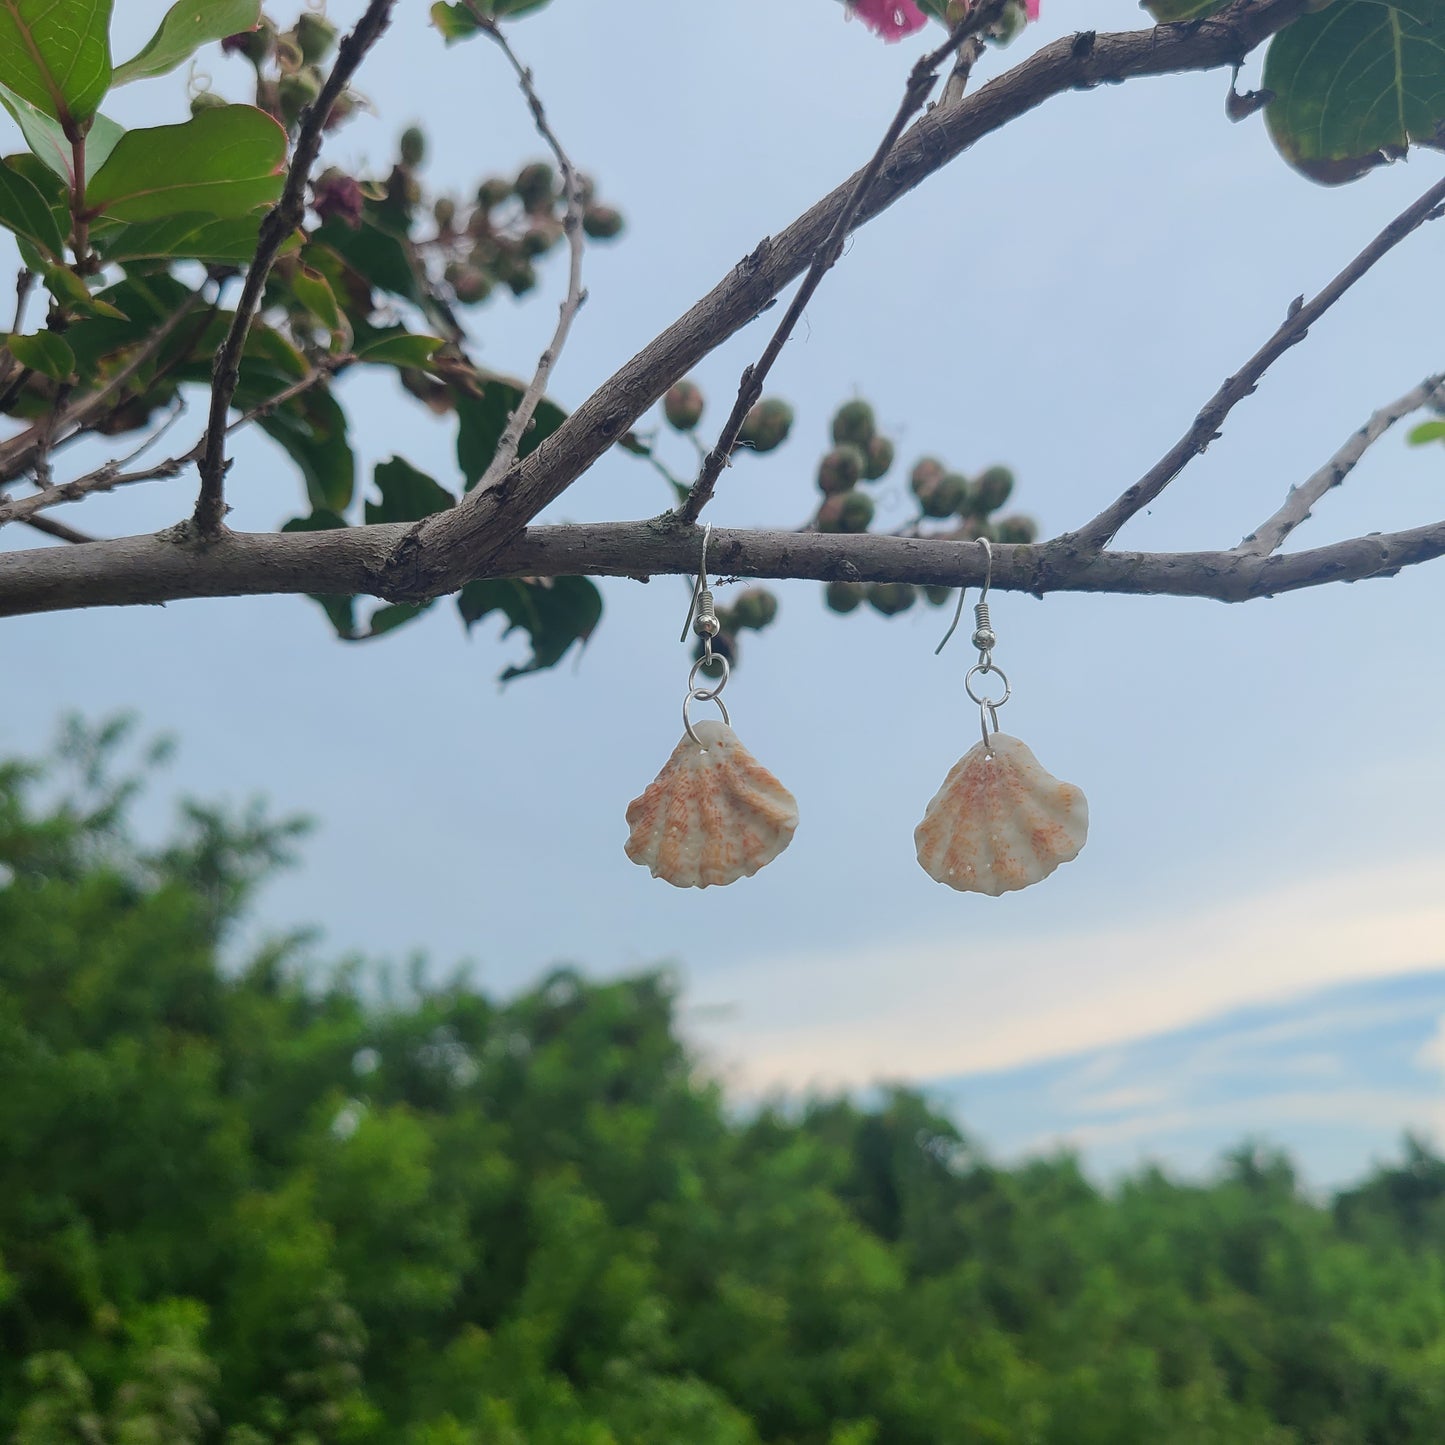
(237, 1207)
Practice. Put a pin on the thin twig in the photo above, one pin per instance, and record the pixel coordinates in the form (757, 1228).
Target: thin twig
(323, 370)
(280, 221)
(963, 63)
(1269, 536)
(521, 418)
(58, 530)
(1293, 329)
(18, 453)
(921, 81)
(105, 478)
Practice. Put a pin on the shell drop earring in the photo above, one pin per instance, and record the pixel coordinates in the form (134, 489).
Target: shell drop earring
(999, 822)
(713, 814)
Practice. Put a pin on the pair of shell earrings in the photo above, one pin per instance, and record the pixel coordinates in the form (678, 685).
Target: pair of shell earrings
(714, 814)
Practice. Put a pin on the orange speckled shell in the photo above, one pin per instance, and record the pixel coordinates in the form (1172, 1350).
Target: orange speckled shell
(1000, 823)
(713, 814)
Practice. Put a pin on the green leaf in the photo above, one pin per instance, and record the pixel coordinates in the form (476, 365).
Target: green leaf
(189, 237)
(72, 292)
(223, 162)
(454, 21)
(188, 25)
(44, 352)
(1427, 431)
(311, 289)
(1354, 84)
(339, 608)
(389, 618)
(554, 612)
(482, 420)
(312, 430)
(48, 141)
(407, 495)
(400, 349)
(55, 54)
(25, 211)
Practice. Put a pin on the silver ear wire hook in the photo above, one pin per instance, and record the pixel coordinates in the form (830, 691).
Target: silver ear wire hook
(982, 600)
(700, 615)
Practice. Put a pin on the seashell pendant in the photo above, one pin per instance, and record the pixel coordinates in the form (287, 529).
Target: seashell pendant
(713, 814)
(1000, 822)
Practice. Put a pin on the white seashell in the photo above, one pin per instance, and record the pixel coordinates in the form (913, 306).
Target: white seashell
(713, 814)
(1000, 822)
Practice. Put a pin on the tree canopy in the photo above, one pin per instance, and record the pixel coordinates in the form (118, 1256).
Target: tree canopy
(247, 1199)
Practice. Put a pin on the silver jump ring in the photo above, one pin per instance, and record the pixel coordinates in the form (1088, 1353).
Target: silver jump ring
(990, 703)
(705, 694)
(702, 694)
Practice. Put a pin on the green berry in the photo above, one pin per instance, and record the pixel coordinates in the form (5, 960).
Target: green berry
(492, 192)
(853, 422)
(844, 597)
(856, 513)
(880, 458)
(943, 496)
(206, 100)
(602, 223)
(766, 425)
(937, 596)
(315, 35)
(890, 598)
(413, 147)
(1016, 529)
(536, 186)
(926, 474)
(830, 514)
(294, 92)
(841, 469)
(754, 608)
(992, 488)
(682, 406)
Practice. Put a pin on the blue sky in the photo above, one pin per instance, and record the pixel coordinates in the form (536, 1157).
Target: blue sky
(1265, 781)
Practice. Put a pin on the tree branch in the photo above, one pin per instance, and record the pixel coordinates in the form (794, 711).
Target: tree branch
(521, 418)
(1290, 332)
(921, 80)
(177, 563)
(1269, 536)
(447, 549)
(280, 221)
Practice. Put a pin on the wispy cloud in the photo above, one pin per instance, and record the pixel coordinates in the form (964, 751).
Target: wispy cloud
(929, 1007)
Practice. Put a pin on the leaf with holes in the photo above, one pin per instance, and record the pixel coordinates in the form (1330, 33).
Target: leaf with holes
(188, 25)
(407, 495)
(554, 612)
(482, 420)
(1355, 84)
(55, 54)
(223, 162)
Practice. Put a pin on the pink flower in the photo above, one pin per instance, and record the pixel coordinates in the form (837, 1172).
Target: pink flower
(1031, 9)
(892, 19)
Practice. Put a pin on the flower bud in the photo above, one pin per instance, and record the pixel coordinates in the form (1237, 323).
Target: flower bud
(601, 222)
(536, 186)
(334, 193)
(541, 236)
(943, 496)
(412, 147)
(315, 34)
(830, 514)
(519, 274)
(1016, 528)
(991, 489)
(890, 598)
(724, 644)
(444, 212)
(256, 45)
(844, 597)
(937, 596)
(294, 92)
(682, 406)
(206, 100)
(492, 192)
(766, 425)
(880, 458)
(754, 608)
(926, 474)
(469, 284)
(841, 469)
(856, 513)
(853, 422)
